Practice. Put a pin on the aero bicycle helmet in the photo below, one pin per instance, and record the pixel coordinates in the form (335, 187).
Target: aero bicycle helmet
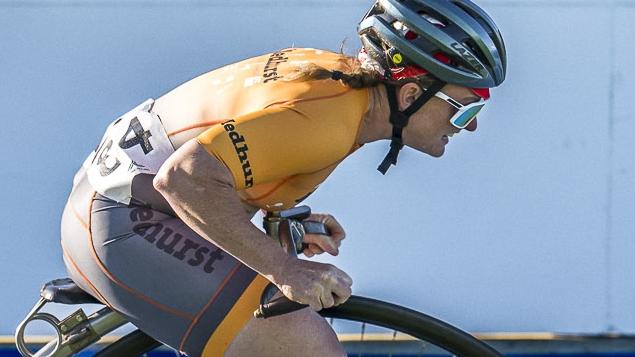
(453, 41)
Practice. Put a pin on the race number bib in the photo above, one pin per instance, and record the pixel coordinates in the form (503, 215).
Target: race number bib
(133, 144)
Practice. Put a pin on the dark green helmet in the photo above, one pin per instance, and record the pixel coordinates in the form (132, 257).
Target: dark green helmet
(454, 40)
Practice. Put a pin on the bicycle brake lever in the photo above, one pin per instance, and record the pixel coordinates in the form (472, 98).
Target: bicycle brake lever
(314, 227)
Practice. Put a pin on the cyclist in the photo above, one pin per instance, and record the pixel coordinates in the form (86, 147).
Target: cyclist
(157, 225)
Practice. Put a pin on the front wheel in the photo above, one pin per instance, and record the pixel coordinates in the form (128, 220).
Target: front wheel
(360, 309)
(413, 323)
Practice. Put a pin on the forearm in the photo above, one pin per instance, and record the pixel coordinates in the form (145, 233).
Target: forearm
(199, 189)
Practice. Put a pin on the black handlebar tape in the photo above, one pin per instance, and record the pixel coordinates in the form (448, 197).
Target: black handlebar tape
(279, 306)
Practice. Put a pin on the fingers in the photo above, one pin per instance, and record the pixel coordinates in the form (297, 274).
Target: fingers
(345, 279)
(322, 243)
(341, 293)
(316, 304)
(334, 227)
(312, 250)
(316, 284)
(335, 288)
(333, 295)
(318, 244)
(339, 288)
(339, 300)
(327, 300)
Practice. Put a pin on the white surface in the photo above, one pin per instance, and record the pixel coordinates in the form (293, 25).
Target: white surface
(523, 226)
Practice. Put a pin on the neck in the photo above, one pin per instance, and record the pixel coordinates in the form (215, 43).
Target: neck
(376, 125)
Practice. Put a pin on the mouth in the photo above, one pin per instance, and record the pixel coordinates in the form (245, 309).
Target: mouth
(447, 137)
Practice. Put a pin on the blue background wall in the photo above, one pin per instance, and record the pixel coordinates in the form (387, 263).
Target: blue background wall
(525, 225)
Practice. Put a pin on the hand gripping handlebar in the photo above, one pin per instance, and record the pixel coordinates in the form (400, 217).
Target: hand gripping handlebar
(289, 228)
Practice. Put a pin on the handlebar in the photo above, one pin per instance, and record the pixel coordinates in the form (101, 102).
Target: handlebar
(278, 306)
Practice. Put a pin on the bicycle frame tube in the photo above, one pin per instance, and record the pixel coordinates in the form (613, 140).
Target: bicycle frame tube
(96, 326)
(101, 322)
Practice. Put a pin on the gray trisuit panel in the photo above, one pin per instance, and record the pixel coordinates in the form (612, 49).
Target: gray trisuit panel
(170, 282)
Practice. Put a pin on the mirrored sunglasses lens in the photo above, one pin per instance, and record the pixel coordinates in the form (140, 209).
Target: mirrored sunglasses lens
(464, 118)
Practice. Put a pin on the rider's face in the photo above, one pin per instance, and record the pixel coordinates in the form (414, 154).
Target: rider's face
(429, 129)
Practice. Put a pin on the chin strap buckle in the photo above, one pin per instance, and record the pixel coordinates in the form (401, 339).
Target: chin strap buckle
(396, 144)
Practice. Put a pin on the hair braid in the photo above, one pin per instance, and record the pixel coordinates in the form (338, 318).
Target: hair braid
(357, 77)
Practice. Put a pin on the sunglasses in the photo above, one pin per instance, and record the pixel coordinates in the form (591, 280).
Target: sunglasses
(465, 113)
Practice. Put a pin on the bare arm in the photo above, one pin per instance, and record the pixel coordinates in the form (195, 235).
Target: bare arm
(200, 190)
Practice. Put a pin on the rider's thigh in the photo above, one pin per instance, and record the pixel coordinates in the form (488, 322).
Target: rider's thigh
(173, 284)
(301, 333)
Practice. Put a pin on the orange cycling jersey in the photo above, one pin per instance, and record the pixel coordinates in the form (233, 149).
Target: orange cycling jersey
(279, 138)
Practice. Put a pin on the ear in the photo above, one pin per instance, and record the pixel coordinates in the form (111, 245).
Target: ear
(407, 94)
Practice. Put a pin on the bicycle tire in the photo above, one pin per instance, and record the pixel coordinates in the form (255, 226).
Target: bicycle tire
(413, 323)
(360, 309)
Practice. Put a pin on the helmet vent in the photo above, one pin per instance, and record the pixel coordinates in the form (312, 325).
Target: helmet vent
(399, 26)
(473, 14)
(431, 19)
(471, 45)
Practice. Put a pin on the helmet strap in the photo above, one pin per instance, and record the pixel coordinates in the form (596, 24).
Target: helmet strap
(399, 120)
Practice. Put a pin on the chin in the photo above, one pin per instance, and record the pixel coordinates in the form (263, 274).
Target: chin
(437, 150)
(432, 150)
(436, 153)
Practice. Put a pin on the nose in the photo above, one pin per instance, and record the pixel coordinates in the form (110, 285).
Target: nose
(472, 125)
